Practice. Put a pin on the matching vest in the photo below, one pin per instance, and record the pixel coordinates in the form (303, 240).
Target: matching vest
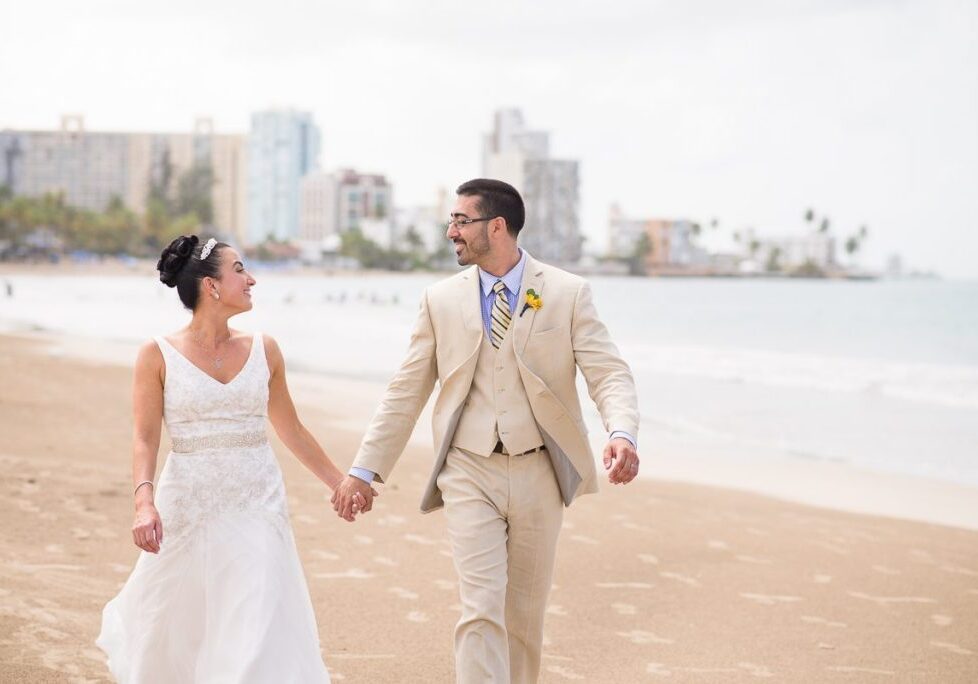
(497, 408)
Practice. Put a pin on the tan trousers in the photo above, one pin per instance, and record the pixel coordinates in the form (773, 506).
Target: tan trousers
(503, 514)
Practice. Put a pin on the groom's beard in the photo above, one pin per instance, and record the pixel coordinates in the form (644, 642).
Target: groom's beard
(472, 250)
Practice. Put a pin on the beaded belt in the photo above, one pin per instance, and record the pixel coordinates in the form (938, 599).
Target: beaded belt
(226, 440)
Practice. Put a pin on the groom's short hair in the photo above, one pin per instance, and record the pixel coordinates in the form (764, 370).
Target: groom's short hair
(497, 198)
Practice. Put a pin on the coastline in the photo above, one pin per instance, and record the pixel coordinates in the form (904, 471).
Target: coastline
(834, 486)
(677, 580)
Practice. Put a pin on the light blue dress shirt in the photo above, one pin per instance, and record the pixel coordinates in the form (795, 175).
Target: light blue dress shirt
(512, 280)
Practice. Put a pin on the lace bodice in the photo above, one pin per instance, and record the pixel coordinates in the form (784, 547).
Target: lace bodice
(195, 404)
(221, 463)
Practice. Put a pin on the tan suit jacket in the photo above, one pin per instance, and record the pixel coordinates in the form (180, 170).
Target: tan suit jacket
(550, 344)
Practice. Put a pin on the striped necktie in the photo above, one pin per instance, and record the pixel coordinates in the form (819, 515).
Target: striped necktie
(500, 315)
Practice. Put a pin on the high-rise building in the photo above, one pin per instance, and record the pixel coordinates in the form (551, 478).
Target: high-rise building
(339, 201)
(283, 147)
(91, 168)
(549, 187)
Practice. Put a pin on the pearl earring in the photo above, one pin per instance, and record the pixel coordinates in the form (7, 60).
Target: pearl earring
(216, 295)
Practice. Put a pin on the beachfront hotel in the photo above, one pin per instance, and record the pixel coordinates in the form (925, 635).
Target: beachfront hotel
(91, 168)
(283, 147)
(550, 187)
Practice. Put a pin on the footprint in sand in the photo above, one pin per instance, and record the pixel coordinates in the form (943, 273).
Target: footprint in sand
(120, 568)
(771, 599)
(403, 593)
(887, 600)
(352, 573)
(753, 559)
(391, 520)
(885, 570)
(685, 579)
(648, 558)
(953, 648)
(418, 539)
(637, 636)
(636, 527)
(813, 620)
(663, 670)
(755, 670)
(554, 609)
(567, 525)
(822, 579)
(563, 672)
(850, 669)
(384, 560)
(757, 533)
(27, 506)
(305, 519)
(363, 540)
(624, 608)
(959, 570)
(417, 616)
(922, 556)
(718, 545)
(54, 548)
(941, 620)
(623, 585)
(834, 548)
(444, 584)
(584, 540)
(325, 555)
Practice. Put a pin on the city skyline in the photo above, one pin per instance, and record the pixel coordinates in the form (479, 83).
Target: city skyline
(862, 111)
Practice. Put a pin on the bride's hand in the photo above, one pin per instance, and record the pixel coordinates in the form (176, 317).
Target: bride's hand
(147, 529)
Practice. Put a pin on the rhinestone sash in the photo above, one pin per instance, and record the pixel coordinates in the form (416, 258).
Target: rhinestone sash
(227, 440)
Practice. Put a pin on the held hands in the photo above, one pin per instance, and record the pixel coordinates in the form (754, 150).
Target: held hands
(147, 528)
(623, 456)
(351, 497)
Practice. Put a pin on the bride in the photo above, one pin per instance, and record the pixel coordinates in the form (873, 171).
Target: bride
(220, 596)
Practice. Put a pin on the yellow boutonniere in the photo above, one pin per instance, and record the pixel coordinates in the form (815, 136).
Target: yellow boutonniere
(533, 301)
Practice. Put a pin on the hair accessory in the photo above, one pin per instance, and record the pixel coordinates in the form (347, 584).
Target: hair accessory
(208, 248)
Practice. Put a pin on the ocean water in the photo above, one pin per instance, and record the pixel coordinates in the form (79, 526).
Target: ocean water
(877, 375)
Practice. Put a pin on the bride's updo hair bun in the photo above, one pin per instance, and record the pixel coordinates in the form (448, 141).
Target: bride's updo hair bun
(180, 266)
(174, 258)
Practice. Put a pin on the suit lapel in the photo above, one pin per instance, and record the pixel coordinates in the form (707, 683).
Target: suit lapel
(469, 304)
(523, 316)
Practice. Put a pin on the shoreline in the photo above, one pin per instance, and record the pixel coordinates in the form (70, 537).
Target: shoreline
(656, 579)
(832, 486)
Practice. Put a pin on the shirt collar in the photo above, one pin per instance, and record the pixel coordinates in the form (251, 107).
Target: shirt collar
(512, 280)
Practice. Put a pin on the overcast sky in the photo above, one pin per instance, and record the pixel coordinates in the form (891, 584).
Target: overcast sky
(749, 112)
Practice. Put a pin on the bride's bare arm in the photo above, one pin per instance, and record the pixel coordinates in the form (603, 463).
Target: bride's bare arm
(288, 427)
(147, 407)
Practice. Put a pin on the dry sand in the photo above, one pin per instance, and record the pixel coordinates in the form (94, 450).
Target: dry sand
(655, 581)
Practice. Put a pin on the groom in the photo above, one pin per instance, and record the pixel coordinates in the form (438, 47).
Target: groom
(504, 339)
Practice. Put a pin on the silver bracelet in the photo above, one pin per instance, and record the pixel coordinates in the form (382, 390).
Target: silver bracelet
(149, 482)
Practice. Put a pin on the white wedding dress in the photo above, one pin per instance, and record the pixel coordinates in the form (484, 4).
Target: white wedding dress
(225, 599)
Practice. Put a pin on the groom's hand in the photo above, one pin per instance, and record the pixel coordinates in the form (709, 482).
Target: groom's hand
(352, 496)
(623, 456)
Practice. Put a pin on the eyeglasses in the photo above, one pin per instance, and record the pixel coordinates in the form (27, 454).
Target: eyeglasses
(459, 222)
